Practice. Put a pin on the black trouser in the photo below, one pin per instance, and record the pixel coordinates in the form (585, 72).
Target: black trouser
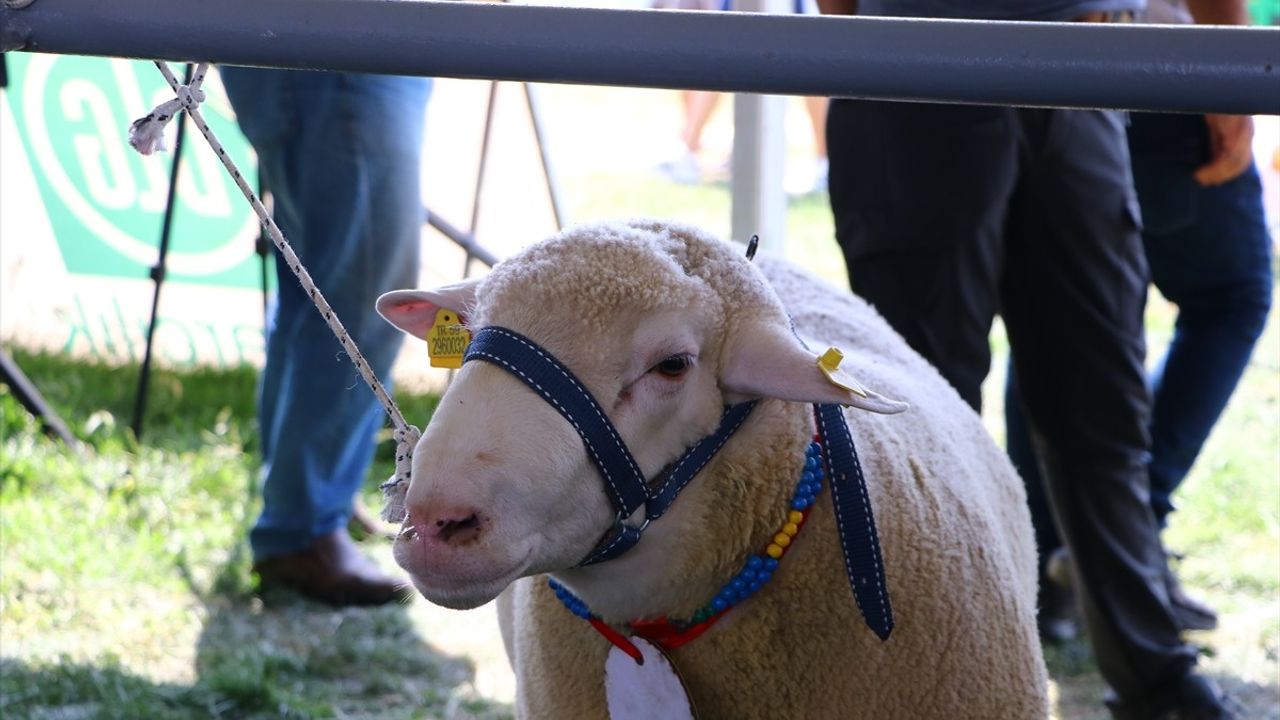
(948, 215)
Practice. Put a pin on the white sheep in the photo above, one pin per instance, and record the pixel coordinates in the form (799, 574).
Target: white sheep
(666, 326)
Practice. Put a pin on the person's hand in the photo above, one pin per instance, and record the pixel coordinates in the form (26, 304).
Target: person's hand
(1231, 145)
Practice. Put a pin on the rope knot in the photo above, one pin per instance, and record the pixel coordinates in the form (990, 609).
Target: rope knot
(146, 134)
(190, 96)
(396, 488)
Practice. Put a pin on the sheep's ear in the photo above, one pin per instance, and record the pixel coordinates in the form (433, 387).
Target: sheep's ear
(767, 361)
(414, 311)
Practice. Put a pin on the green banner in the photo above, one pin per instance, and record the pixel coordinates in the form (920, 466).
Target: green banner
(1265, 12)
(106, 202)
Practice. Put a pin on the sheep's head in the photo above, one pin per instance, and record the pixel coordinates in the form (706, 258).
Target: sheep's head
(663, 325)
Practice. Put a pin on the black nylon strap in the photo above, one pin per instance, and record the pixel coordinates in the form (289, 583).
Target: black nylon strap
(620, 537)
(554, 382)
(618, 540)
(678, 475)
(855, 522)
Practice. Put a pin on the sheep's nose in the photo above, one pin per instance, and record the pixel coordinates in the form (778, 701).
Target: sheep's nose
(452, 527)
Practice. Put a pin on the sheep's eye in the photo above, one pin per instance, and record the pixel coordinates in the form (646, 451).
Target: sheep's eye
(673, 366)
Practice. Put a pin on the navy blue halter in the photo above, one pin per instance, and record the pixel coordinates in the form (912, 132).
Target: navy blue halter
(628, 489)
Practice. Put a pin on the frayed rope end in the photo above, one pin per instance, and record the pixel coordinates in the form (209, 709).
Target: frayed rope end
(146, 134)
(394, 491)
(396, 488)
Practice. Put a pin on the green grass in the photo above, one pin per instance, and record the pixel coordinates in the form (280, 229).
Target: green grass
(125, 589)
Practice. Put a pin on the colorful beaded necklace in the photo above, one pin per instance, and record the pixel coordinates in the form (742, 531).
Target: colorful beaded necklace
(755, 572)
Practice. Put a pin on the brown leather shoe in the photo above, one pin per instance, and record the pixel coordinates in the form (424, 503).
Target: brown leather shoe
(332, 571)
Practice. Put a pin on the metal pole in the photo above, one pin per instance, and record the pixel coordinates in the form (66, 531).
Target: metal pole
(1139, 67)
(262, 246)
(484, 158)
(158, 271)
(465, 240)
(553, 188)
(759, 207)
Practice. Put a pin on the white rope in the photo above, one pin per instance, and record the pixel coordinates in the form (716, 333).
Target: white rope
(146, 136)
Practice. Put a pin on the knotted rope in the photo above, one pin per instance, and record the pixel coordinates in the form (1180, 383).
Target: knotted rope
(146, 135)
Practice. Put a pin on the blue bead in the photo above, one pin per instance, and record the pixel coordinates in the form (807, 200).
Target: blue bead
(810, 463)
(718, 604)
(770, 564)
(806, 477)
(737, 585)
(796, 504)
(815, 448)
(753, 561)
(755, 585)
(750, 573)
(819, 474)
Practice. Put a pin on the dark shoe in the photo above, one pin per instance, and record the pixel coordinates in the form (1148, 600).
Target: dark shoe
(1056, 616)
(332, 571)
(1190, 697)
(1057, 612)
(1190, 613)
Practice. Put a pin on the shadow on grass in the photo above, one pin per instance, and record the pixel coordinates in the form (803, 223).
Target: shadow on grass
(273, 652)
(277, 656)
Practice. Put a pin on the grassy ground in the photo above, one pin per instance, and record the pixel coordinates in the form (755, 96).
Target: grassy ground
(125, 589)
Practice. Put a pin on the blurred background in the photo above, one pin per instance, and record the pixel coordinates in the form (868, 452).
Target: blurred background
(125, 588)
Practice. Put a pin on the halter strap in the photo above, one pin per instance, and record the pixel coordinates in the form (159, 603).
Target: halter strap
(859, 541)
(557, 385)
(624, 483)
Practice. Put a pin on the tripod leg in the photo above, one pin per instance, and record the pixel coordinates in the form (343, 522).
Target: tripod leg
(157, 272)
(34, 402)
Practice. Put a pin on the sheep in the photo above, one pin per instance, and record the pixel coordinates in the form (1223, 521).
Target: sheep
(665, 325)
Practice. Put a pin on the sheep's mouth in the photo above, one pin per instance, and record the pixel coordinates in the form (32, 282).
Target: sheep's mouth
(467, 587)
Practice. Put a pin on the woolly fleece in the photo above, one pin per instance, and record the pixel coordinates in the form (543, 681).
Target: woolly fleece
(950, 509)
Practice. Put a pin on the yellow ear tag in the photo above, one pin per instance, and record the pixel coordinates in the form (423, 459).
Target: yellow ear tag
(447, 340)
(829, 364)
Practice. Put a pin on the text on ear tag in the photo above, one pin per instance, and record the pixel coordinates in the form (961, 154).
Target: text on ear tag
(829, 364)
(447, 340)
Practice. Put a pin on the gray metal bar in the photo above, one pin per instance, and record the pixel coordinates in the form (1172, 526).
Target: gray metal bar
(1191, 69)
(464, 240)
(540, 139)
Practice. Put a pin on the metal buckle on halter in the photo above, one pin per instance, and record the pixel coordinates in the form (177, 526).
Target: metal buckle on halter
(619, 538)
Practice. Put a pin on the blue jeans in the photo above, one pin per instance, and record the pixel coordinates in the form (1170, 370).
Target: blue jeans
(340, 154)
(1210, 254)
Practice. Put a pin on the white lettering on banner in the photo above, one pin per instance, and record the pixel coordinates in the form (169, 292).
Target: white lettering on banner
(154, 170)
(209, 197)
(106, 167)
(107, 334)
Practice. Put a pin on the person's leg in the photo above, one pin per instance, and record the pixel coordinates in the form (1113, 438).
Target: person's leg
(1210, 254)
(698, 108)
(1074, 292)
(1056, 613)
(816, 107)
(344, 166)
(919, 194)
